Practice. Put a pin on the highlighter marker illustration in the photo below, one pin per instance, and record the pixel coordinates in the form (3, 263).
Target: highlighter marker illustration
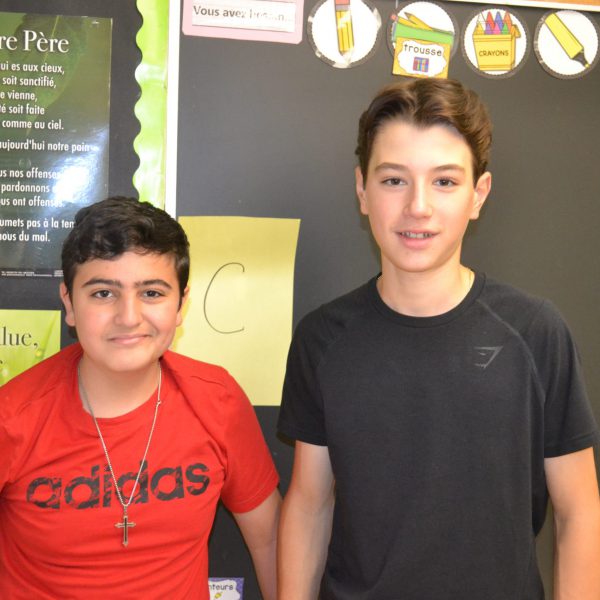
(568, 42)
(343, 23)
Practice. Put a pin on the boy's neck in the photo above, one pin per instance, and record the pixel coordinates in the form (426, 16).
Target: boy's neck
(115, 394)
(425, 294)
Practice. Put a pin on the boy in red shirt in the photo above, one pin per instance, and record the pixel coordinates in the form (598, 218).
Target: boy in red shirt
(116, 451)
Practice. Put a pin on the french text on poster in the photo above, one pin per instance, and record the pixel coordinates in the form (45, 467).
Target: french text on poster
(259, 20)
(54, 119)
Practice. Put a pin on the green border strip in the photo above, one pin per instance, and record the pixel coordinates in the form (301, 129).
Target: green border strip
(151, 109)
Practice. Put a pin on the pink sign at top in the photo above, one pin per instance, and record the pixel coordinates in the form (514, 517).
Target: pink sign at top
(259, 20)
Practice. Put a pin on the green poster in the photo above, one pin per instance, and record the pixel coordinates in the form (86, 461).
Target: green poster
(26, 338)
(54, 131)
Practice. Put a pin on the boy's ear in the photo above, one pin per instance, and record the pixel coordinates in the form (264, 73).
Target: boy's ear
(66, 300)
(360, 191)
(481, 192)
(182, 302)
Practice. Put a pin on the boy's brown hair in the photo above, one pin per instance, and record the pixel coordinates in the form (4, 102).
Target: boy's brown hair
(109, 228)
(424, 103)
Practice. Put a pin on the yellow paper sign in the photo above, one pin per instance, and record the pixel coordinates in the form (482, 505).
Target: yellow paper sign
(239, 313)
(26, 338)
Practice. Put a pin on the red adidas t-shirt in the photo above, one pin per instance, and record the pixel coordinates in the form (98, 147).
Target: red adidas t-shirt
(58, 508)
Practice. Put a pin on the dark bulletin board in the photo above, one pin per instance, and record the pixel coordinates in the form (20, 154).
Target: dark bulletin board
(268, 130)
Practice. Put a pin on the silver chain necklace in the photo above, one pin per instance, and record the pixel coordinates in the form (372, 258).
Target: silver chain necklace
(125, 524)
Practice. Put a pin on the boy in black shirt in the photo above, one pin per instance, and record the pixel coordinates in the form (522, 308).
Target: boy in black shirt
(444, 407)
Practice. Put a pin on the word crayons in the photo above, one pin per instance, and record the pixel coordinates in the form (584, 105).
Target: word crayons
(419, 49)
(494, 39)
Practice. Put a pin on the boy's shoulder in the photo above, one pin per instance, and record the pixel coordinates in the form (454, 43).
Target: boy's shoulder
(506, 292)
(37, 382)
(183, 366)
(212, 393)
(339, 313)
(203, 382)
(507, 297)
(319, 330)
(516, 306)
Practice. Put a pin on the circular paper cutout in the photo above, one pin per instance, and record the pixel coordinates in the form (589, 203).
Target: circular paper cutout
(566, 43)
(421, 37)
(495, 42)
(428, 15)
(344, 33)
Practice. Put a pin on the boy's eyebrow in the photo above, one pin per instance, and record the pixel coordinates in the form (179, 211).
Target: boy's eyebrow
(148, 282)
(116, 283)
(389, 165)
(450, 167)
(102, 281)
(399, 167)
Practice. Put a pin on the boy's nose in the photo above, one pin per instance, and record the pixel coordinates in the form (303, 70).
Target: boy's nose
(129, 311)
(419, 205)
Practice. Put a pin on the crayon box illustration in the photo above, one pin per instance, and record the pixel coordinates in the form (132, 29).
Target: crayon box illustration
(495, 41)
(419, 49)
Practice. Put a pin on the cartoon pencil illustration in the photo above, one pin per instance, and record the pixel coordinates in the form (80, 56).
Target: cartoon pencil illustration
(568, 42)
(343, 22)
(416, 22)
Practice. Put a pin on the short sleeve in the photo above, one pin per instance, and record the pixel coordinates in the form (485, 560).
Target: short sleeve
(7, 452)
(301, 415)
(569, 423)
(251, 476)
(12, 431)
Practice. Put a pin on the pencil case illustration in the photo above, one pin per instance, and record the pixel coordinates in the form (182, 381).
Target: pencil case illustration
(420, 50)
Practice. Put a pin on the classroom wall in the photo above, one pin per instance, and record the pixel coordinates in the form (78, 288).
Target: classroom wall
(269, 130)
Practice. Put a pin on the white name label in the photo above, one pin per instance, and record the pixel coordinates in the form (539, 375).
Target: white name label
(421, 59)
(264, 15)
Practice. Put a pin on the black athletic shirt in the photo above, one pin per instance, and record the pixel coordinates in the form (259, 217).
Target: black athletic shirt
(437, 429)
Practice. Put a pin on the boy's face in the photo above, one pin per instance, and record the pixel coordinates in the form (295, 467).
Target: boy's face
(125, 310)
(420, 196)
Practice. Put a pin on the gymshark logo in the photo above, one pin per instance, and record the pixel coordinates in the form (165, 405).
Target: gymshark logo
(486, 354)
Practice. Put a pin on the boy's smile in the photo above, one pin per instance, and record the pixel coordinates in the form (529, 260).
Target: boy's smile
(125, 310)
(419, 196)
